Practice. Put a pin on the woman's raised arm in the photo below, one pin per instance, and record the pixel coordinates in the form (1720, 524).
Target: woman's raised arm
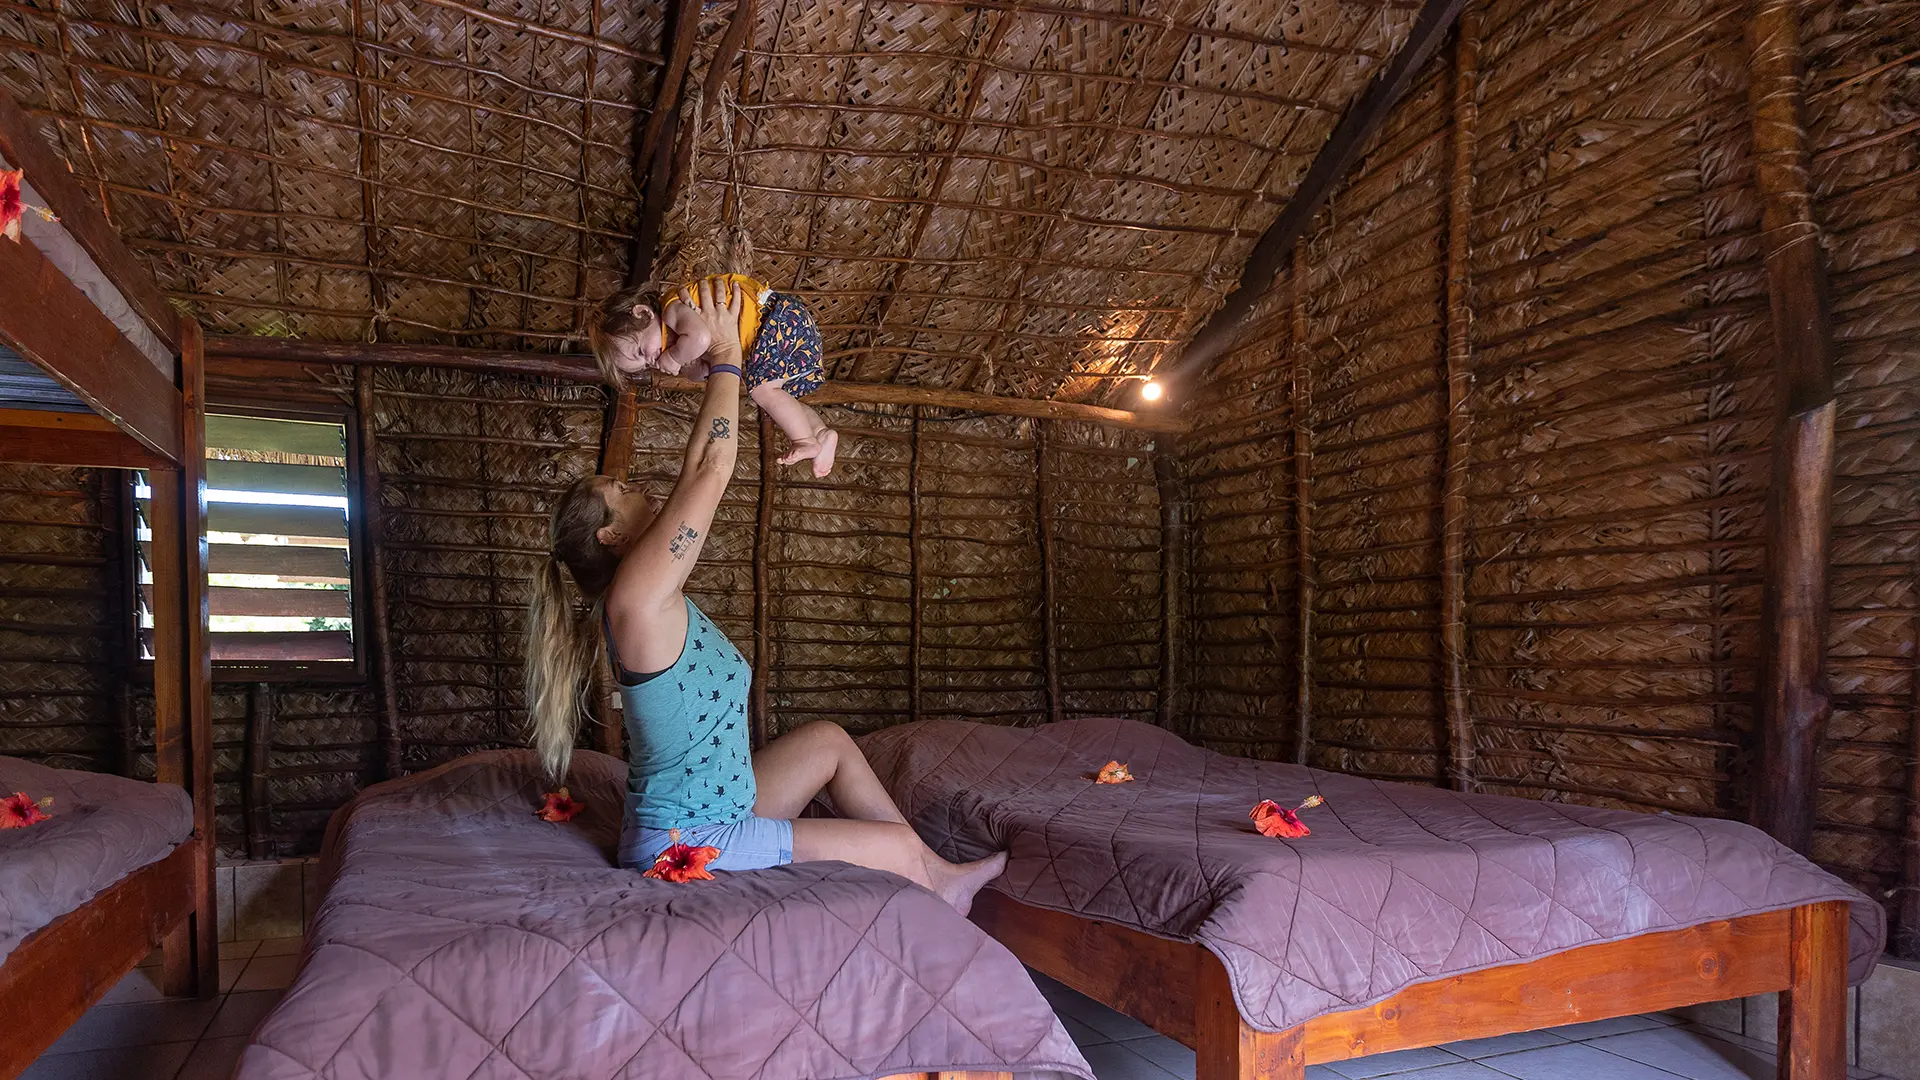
(656, 570)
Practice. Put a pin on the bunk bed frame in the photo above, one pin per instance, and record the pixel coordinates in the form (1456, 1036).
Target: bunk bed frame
(139, 419)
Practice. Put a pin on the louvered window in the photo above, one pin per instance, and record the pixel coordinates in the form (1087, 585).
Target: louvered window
(280, 552)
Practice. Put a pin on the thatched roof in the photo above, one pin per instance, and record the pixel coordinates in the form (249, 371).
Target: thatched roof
(993, 196)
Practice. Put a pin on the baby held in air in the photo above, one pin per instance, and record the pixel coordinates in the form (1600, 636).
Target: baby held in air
(779, 344)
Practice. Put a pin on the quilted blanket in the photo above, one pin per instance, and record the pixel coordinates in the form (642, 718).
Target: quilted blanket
(101, 829)
(1397, 884)
(461, 937)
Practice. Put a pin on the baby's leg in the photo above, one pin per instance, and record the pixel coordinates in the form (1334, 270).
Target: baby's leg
(810, 435)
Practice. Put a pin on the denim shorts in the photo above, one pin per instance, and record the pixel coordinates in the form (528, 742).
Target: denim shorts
(753, 843)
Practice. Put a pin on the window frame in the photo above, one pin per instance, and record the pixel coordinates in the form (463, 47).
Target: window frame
(355, 671)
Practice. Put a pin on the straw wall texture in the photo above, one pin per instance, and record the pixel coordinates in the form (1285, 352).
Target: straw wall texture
(470, 465)
(1619, 414)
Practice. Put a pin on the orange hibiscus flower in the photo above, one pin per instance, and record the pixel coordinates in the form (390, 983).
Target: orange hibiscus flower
(18, 810)
(1272, 819)
(683, 862)
(560, 806)
(1113, 772)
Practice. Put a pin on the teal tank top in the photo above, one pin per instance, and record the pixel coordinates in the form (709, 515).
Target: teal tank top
(688, 752)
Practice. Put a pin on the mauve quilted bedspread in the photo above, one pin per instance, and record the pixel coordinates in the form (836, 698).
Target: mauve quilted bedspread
(102, 829)
(462, 938)
(1396, 885)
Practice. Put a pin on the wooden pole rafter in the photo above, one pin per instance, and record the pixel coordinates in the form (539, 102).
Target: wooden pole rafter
(575, 367)
(1357, 126)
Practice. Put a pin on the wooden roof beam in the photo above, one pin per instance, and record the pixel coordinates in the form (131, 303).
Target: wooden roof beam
(24, 149)
(579, 367)
(1342, 149)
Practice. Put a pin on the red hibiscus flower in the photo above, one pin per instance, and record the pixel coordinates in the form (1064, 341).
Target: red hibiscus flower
(10, 205)
(17, 811)
(560, 806)
(683, 862)
(1113, 772)
(1272, 819)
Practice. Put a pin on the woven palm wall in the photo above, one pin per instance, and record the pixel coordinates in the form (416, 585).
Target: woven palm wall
(1619, 413)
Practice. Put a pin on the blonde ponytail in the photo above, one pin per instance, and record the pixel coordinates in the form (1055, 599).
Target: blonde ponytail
(563, 641)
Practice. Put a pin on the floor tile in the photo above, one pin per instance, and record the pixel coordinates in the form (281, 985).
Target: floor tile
(240, 1013)
(105, 1027)
(123, 1063)
(140, 984)
(1111, 1024)
(1165, 1053)
(1473, 1049)
(238, 950)
(284, 946)
(1113, 1061)
(1399, 1061)
(1321, 1072)
(268, 973)
(1573, 1061)
(1689, 1054)
(1081, 1034)
(1615, 1025)
(213, 1059)
(1459, 1070)
(230, 972)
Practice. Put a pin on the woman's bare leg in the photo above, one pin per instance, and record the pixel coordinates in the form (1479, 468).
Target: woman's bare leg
(882, 845)
(794, 768)
(817, 757)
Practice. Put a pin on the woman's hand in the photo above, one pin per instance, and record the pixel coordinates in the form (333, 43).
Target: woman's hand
(719, 312)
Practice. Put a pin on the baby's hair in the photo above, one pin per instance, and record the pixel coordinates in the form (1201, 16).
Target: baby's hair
(616, 320)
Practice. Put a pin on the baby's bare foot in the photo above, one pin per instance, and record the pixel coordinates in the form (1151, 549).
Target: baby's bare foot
(819, 448)
(829, 445)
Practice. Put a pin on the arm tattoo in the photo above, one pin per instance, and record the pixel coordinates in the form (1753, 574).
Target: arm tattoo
(721, 429)
(683, 540)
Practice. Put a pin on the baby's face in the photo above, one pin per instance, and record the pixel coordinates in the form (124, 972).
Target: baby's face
(640, 350)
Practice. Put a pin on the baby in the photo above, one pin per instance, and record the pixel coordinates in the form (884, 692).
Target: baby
(779, 345)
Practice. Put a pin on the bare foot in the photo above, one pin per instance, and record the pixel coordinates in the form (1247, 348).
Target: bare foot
(820, 448)
(959, 883)
(829, 445)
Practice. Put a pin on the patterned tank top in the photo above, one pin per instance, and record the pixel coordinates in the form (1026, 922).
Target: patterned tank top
(688, 756)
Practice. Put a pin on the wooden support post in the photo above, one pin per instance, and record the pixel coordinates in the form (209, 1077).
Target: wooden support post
(372, 534)
(259, 764)
(1228, 1049)
(1453, 497)
(1043, 527)
(1813, 1011)
(183, 666)
(760, 709)
(1302, 420)
(616, 460)
(616, 450)
(1173, 587)
(913, 568)
(1793, 701)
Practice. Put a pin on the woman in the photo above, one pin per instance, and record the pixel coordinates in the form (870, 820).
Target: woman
(683, 684)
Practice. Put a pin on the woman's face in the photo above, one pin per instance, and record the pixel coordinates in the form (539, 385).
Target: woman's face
(629, 511)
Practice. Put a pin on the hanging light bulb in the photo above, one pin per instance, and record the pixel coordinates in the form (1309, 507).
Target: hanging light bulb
(1151, 390)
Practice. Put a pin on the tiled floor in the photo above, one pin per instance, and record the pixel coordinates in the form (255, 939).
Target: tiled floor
(136, 1034)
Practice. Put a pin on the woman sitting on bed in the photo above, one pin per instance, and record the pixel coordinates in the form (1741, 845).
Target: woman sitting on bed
(684, 685)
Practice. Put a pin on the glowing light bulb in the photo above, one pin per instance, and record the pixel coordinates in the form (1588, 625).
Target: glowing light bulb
(1151, 391)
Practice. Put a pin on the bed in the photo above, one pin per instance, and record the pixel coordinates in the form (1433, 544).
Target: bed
(1410, 916)
(461, 936)
(97, 370)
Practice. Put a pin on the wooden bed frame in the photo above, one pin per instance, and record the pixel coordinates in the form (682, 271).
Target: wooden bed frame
(140, 420)
(1182, 990)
